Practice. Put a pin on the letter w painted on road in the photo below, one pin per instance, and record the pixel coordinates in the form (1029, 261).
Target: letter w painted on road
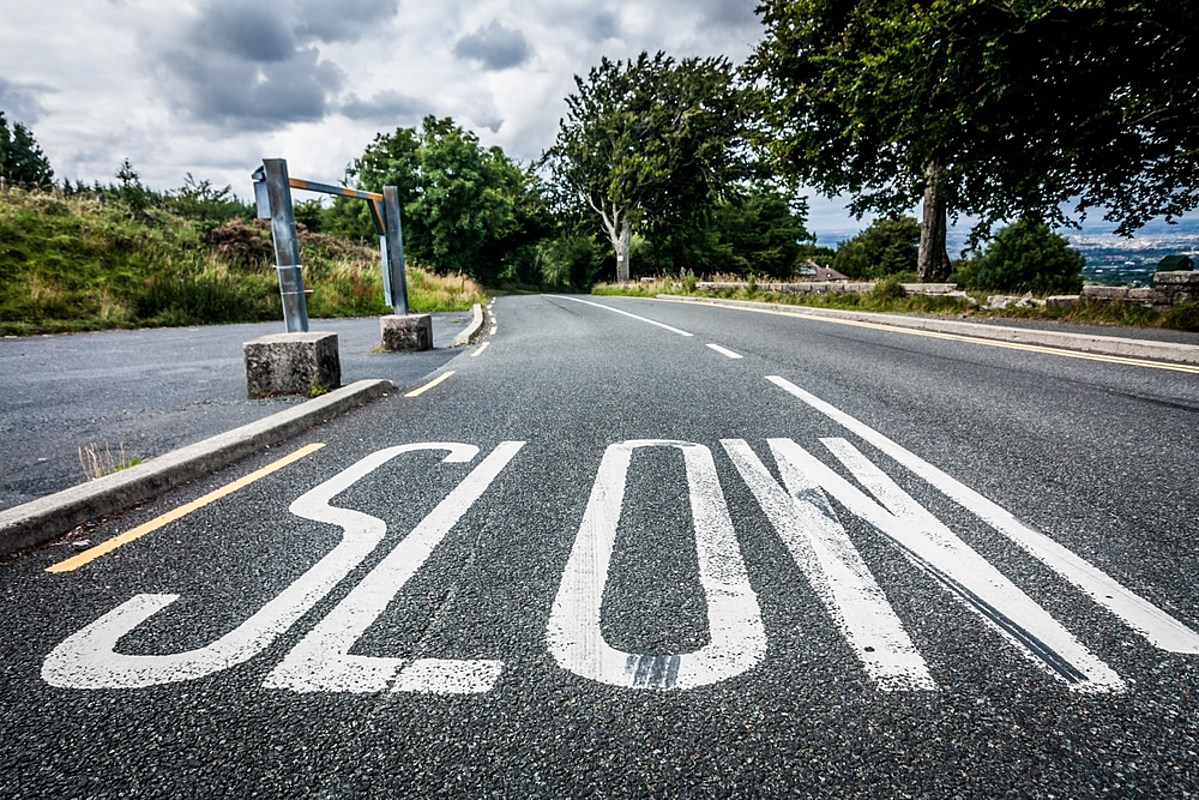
(88, 659)
(820, 547)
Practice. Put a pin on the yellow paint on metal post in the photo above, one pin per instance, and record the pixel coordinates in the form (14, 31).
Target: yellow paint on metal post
(75, 562)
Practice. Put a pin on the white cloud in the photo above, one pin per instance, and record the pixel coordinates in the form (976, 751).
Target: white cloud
(213, 86)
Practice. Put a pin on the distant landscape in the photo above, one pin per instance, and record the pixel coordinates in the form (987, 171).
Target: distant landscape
(1111, 260)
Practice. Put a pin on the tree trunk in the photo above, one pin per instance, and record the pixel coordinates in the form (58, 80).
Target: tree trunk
(932, 263)
(622, 251)
(620, 234)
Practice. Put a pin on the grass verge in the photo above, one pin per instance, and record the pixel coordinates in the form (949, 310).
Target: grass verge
(82, 263)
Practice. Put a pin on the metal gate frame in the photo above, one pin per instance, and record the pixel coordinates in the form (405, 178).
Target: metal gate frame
(272, 194)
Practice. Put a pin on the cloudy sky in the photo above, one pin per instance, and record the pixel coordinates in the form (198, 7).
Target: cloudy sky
(211, 87)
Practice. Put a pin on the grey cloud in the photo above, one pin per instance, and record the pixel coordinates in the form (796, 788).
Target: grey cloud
(246, 67)
(343, 21)
(495, 47)
(729, 13)
(600, 25)
(251, 32)
(595, 24)
(20, 101)
(247, 96)
(388, 106)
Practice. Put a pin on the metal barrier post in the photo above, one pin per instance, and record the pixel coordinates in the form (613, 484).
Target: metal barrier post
(395, 250)
(287, 247)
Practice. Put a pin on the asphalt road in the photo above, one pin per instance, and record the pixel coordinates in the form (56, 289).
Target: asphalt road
(147, 392)
(603, 557)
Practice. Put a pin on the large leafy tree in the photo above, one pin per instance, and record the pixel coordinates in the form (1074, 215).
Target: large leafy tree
(760, 233)
(22, 161)
(652, 143)
(997, 110)
(463, 205)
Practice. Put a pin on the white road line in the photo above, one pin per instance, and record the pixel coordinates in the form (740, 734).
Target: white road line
(737, 638)
(88, 660)
(723, 351)
(1151, 622)
(479, 351)
(322, 661)
(625, 313)
(973, 580)
(808, 526)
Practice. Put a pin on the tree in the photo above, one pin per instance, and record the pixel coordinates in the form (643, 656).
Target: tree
(1026, 256)
(22, 161)
(461, 204)
(652, 143)
(760, 233)
(996, 110)
(198, 200)
(887, 247)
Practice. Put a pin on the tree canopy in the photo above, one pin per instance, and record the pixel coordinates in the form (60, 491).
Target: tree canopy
(652, 143)
(1018, 109)
(463, 206)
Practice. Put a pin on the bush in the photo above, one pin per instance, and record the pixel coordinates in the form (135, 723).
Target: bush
(570, 260)
(888, 288)
(1026, 256)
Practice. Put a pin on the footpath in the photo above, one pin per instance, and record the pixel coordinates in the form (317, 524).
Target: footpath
(172, 397)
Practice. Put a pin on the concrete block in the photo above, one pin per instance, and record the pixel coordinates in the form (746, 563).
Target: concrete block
(410, 333)
(292, 363)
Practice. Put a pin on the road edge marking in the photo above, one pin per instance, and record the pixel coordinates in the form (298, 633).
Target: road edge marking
(439, 379)
(75, 562)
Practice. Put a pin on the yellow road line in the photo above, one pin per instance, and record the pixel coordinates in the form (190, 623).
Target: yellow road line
(958, 337)
(75, 562)
(480, 349)
(418, 392)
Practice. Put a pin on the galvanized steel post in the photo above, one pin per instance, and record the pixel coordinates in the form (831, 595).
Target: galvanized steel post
(287, 247)
(395, 250)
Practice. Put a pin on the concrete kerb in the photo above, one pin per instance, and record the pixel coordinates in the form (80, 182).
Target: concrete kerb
(464, 337)
(49, 517)
(1086, 343)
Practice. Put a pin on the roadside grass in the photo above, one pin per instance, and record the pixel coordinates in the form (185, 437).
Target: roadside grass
(884, 298)
(80, 263)
(97, 460)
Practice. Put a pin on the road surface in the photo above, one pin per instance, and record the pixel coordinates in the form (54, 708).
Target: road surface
(638, 548)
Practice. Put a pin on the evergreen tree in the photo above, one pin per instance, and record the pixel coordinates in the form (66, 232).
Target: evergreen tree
(22, 162)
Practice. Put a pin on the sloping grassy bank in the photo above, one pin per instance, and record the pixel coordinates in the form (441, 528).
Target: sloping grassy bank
(888, 296)
(84, 263)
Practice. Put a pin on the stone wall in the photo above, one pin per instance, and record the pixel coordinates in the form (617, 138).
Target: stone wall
(1169, 289)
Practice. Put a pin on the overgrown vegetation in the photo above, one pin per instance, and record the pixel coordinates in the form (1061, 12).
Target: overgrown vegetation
(125, 257)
